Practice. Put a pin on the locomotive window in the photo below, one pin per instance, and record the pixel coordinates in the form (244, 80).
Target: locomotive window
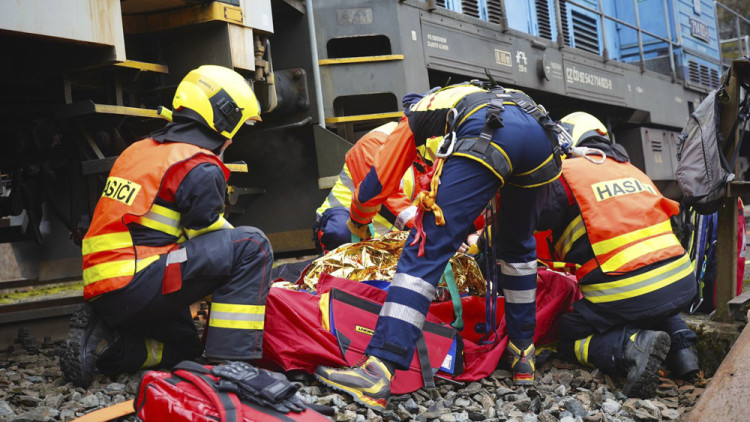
(353, 105)
(360, 46)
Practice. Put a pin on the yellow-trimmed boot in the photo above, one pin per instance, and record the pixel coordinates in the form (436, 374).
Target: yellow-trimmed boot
(523, 364)
(369, 382)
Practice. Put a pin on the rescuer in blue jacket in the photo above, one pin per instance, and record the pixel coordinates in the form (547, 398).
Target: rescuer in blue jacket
(493, 139)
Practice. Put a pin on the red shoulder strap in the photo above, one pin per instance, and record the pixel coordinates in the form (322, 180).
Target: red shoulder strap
(226, 404)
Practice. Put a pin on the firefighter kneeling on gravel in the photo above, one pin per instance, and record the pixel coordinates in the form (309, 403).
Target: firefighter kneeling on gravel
(493, 138)
(158, 242)
(611, 226)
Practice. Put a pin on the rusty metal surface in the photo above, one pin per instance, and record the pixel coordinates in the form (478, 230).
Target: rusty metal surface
(727, 396)
(89, 21)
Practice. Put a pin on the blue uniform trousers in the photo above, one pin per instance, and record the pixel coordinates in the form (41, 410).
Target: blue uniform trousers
(233, 266)
(600, 333)
(465, 190)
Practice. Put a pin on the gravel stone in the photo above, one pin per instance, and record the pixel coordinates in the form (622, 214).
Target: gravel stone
(32, 389)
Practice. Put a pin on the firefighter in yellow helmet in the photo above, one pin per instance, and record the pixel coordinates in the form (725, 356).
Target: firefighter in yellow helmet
(330, 229)
(611, 226)
(158, 242)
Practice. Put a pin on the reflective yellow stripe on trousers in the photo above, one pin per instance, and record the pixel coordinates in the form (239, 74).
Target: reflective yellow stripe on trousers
(582, 350)
(154, 353)
(241, 317)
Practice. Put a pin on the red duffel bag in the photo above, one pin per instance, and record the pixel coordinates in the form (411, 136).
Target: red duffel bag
(191, 393)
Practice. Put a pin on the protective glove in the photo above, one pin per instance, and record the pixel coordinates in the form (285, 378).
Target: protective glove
(259, 386)
(358, 229)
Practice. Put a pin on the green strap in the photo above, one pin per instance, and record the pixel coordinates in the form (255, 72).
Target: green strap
(458, 323)
(356, 238)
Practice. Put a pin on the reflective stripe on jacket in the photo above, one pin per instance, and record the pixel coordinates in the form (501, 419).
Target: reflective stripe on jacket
(626, 218)
(358, 161)
(110, 257)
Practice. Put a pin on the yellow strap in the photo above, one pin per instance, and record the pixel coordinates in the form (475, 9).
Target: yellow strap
(325, 314)
(426, 200)
(445, 98)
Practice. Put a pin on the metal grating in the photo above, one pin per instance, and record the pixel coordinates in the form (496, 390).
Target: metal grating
(470, 8)
(543, 19)
(656, 145)
(495, 10)
(702, 75)
(566, 30)
(585, 32)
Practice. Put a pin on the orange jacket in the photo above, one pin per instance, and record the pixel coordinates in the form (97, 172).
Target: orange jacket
(110, 257)
(358, 162)
(626, 218)
(360, 159)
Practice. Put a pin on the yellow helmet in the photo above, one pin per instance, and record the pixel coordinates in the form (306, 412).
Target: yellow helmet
(217, 97)
(582, 125)
(428, 151)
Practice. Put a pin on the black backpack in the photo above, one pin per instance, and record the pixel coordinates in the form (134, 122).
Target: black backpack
(703, 169)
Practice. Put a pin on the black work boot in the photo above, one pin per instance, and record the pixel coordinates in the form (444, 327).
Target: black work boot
(88, 338)
(644, 353)
(683, 362)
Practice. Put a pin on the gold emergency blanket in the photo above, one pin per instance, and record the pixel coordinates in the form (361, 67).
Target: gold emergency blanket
(376, 259)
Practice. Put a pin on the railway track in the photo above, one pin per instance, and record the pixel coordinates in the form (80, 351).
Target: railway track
(34, 312)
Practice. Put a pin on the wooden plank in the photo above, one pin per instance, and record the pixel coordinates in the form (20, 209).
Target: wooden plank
(726, 258)
(727, 395)
(108, 413)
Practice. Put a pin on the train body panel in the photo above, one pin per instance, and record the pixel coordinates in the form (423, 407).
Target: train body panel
(78, 21)
(77, 97)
